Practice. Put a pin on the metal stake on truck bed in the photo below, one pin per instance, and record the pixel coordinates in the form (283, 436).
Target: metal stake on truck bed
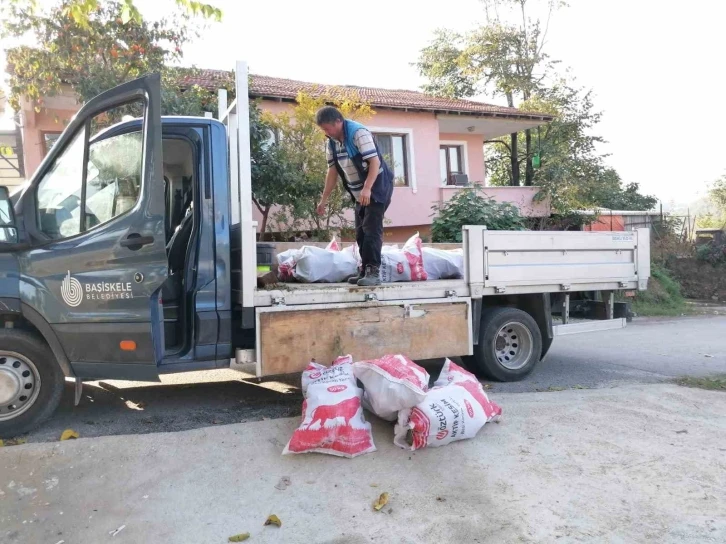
(237, 121)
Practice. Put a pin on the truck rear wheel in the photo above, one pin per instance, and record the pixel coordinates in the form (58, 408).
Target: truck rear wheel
(510, 345)
(31, 382)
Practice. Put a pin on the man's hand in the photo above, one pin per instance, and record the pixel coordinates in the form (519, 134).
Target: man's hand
(321, 208)
(365, 197)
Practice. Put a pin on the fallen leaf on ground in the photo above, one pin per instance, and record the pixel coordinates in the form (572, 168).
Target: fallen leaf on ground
(68, 434)
(380, 502)
(283, 483)
(239, 538)
(273, 520)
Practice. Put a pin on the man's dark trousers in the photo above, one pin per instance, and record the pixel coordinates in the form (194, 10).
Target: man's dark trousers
(369, 232)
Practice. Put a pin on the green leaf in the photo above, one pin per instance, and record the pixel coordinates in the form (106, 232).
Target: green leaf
(125, 14)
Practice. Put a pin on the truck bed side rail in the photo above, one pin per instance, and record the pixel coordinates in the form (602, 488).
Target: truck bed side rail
(506, 262)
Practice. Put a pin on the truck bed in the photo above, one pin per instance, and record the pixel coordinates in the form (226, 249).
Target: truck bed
(495, 262)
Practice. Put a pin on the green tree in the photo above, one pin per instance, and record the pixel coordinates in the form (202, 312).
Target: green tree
(469, 207)
(572, 173)
(303, 144)
(81, 11)
(274, 174)
(717, 194)
(505, 57)
(98, 55)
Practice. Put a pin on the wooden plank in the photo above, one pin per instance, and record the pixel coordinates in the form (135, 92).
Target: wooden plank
(289, 340)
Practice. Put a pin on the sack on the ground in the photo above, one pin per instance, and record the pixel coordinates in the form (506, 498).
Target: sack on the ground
(453, 373)
(391, 383)
(332, 418)
(315, 264)
(443, 264)
(286, 264)
(455, 409)
(404, 265)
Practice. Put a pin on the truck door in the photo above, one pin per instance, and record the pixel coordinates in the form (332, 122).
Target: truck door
(95, 211)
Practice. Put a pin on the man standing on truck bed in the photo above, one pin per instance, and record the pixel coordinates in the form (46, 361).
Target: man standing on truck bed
(354, 157)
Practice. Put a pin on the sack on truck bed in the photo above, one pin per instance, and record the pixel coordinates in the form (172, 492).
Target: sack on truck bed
(392, 383)
(286, 264)
(315, 264)
(455, 409)
(332, 418)
(443, 264)
(404, 265)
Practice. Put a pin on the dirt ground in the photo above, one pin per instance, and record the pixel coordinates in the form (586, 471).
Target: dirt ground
(642, 463)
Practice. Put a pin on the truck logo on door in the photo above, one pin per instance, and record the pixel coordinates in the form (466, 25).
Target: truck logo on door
(71, 291)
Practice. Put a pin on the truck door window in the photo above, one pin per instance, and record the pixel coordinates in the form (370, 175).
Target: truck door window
(59, 193)
(112, 178)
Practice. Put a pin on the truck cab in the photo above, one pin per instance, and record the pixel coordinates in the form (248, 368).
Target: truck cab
(110, 261)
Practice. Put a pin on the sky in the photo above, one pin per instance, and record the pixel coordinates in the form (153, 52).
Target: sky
(655, 66)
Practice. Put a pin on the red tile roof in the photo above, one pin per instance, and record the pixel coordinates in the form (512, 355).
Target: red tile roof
(288, 89)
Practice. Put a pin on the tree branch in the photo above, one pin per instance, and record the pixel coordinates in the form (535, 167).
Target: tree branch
(505, 144)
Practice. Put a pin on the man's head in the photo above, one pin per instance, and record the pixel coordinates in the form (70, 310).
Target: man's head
(330, 121)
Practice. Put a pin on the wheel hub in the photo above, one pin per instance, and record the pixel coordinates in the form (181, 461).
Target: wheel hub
(19, 384)
(9, 386)
(513, 345)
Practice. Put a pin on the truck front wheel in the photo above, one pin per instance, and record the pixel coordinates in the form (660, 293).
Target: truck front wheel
(510, 345)
(31, 382)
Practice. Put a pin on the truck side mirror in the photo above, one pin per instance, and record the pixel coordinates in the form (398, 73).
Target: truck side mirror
(8, 227)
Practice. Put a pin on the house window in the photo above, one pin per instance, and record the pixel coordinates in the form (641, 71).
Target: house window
(394, 148)
(49, 140)
(450, 162)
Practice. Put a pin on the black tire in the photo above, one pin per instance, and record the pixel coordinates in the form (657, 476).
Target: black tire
(28, 358)
(501, 354)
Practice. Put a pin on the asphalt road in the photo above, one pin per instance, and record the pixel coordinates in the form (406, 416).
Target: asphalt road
(647, 351)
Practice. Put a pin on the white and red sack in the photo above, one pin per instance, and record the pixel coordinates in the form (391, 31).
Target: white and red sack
(391, 383)
(443, 264)
(333, 245)
(455, 409)
(332, 418)
(286, 264)
(406, 264)
(315, 264)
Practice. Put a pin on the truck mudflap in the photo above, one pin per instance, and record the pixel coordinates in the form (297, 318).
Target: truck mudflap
(290, 337)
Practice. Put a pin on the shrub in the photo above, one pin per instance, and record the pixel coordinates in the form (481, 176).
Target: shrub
(469, 207)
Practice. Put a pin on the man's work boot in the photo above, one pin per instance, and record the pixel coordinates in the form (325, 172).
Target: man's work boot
(372, 277)
(353, 280)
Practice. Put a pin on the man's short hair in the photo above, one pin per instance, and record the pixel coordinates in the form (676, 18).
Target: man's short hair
(327, 115)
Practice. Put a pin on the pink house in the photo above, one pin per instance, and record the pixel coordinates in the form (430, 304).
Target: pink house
(436, 144)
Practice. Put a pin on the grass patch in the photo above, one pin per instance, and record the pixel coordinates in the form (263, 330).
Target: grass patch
(712, 383)
(663, 297)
